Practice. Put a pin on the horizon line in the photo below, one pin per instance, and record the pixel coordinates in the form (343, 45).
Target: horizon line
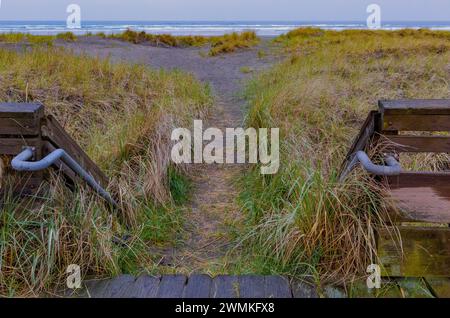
(200, 20)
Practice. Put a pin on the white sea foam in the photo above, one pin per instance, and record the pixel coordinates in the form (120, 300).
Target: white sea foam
(202, 28)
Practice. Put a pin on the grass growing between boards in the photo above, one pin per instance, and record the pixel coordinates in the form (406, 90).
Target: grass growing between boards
(122, 115)
(302, 221)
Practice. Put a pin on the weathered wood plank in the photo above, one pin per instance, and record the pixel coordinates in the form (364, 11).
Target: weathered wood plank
(19, 127)
(14, 146)
(225, 287)
(21, 110)
(419, 180)
(439, 286)
(426, 252)
(20, 119)
(424, 204)
(62, 168)
(96, 288)
(414, 144)
(416, 123)
(251, 286)
(198, 286)
(414, 288)
(277, 287)
(303, 290)
(334, 292)
(415, 106)
(118, 287)
(171, 286)
(145, 286)
(361, 141)
(389, 289)
(54, 133)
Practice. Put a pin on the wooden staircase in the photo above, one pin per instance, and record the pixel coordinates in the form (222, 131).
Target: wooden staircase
(421, 200)
(26, 125)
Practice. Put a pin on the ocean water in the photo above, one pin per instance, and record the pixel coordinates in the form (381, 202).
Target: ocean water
(263, 28)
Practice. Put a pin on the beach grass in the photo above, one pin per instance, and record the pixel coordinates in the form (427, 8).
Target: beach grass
(47, 40)
(302, 221)
(122, 115)
(227, 43)
(230, 43)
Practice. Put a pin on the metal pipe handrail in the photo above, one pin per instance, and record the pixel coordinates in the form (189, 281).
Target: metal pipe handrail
(392, 167)
(21, 163)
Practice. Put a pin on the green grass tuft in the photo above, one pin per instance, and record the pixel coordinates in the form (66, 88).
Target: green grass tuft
(302, 222)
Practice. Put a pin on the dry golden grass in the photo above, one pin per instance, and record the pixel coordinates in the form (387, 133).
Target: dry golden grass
(122, 115)
(304, 221)
(230, 43)
(227, 43)
(36, 39)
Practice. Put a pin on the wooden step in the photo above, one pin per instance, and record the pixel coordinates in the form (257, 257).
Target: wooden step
(414, 251)
(199, 286)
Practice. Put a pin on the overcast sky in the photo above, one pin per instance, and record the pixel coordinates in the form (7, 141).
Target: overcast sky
(251, 10)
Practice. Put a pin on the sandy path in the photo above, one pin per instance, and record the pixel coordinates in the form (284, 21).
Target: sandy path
(214, 213)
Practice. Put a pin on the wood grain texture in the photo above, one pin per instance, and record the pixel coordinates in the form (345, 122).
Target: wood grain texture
(414, 288)
(440, 287)
(361, 141)
(419, 180)
(171, 286)
(423, 252)
(119, 287)
(277, 287)
(415, 106)
(20, 119)
(14, 146)
(96, 288)
(198, 286)
(416, 123)
(225, 287)
(145, 286)
(303, 290)
(54, 133)
(21, 110)
(422, 204)
(389, 289)
(247, 286)
(415, 144)
(251, 286)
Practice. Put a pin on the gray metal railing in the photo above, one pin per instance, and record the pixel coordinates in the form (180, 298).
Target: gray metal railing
(392, 167)
(21, 163)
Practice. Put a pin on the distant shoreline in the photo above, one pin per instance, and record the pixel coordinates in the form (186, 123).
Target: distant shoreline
(204, 28)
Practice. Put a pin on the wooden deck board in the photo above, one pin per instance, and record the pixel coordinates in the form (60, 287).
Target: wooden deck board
(198, 286)
(225, 287)
(96, 288)
(334, 292)
(423, 252)
(251, 286)
(414, 288)
(440, 287)
(303, 290)
(171, 286)
(119, 287)
(423, 204)
(415, 106)
(277, 287)
(144, 287)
